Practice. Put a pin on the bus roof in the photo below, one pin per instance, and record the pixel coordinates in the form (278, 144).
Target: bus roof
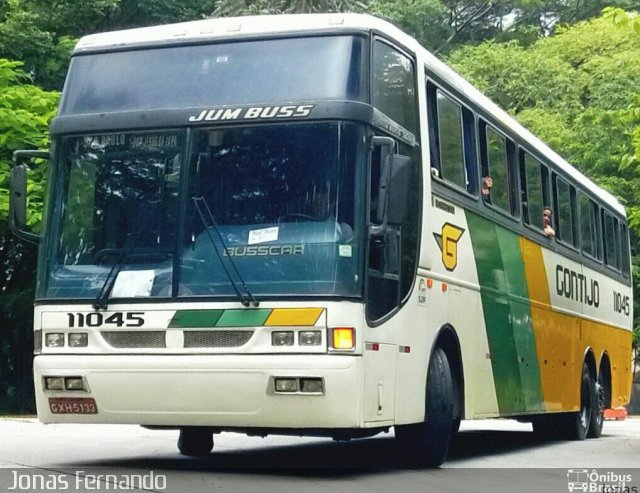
(228, 28)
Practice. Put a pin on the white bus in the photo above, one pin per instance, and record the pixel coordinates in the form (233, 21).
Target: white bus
(277, 225)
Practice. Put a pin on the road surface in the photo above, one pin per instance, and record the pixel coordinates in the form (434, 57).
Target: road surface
(492, 455)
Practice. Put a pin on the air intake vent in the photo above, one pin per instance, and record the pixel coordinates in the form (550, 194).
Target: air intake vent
(135, 339)
(216, 338)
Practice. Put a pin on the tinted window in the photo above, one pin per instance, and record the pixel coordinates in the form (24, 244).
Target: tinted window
(565, 194)
(394, 86)
(611, 241)
(265, 71)
(589, 228)
(534, 183)
(496, 164)
(624, 250)
(450, 140)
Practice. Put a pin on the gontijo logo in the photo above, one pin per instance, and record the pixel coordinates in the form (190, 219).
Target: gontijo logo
(448, 242)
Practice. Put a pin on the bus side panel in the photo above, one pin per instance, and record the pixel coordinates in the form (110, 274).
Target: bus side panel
(453, 298)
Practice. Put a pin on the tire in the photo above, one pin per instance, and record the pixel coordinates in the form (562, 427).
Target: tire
(427, 444)
(599, 403)
(577, 423)
(195, 441)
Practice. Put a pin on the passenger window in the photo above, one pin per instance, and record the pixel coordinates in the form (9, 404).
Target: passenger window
(534, 179)
(450, 138)
(611, 241)
(624, 250)
(589, 226)
(497, 161)
(565, 200)
(394, 86)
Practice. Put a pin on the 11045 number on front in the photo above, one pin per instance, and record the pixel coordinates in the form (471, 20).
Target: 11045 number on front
(97, 319)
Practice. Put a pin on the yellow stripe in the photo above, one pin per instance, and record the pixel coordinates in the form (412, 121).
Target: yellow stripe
(562, 340)
(294, 316)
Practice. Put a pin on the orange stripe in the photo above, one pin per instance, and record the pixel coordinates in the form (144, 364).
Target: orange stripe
(298, 317)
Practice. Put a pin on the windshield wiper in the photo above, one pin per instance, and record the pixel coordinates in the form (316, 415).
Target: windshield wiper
(246, 298)
(101, 300)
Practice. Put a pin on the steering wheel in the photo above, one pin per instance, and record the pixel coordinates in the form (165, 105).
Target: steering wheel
(296, 215)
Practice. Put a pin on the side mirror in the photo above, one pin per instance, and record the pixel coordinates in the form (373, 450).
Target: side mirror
(393, 189)
(18, 198)
(18, 194)
(398, 189)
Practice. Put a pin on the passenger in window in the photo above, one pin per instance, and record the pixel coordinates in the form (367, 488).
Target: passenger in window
(487, 184)
(546, 222)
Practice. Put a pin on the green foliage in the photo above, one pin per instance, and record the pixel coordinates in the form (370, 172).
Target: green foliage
(25, 113)
(42, 34)
(257, 7)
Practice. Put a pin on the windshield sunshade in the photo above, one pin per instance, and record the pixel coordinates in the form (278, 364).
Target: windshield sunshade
(265, 71)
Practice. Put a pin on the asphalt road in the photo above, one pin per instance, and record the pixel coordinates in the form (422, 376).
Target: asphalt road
(493, 455)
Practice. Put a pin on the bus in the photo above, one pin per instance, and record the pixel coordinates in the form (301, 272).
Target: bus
(284, 225)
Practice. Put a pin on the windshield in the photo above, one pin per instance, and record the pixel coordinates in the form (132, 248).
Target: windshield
(277, 204)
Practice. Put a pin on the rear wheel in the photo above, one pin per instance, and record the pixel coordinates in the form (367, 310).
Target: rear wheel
(195, 441)
(427, 443)
(599, 403)
(577, 423)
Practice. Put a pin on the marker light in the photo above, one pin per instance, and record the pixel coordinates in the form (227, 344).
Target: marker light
(74, 383)
(311, 385)
(310, 338)
(78, 339)
(282, 338)
(343, 338)
(54, 383)
(54, 339)
(286, 384)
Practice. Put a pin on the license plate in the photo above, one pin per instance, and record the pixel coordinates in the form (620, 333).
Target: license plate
(72, 405)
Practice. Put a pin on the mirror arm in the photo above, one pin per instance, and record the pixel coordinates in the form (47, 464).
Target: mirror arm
(28, 155)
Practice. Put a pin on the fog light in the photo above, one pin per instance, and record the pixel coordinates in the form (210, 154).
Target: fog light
(310, 338)
(54, 339)
(54, 383)
(311, 385)
(74, 383)
(286, 384)
(78, 339)
(343, 338)
(282, 338)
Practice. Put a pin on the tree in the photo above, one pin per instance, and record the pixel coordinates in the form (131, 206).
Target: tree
(249, 7)
(42, 33)
(441, 25)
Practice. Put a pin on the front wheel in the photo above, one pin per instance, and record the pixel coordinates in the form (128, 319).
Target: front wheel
(195, 441)
(427, 443)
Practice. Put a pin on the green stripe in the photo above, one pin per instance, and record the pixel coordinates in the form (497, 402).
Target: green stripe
(521, 320)
(507, 315)
(244, 318)
(219, 318)
(195, 318)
